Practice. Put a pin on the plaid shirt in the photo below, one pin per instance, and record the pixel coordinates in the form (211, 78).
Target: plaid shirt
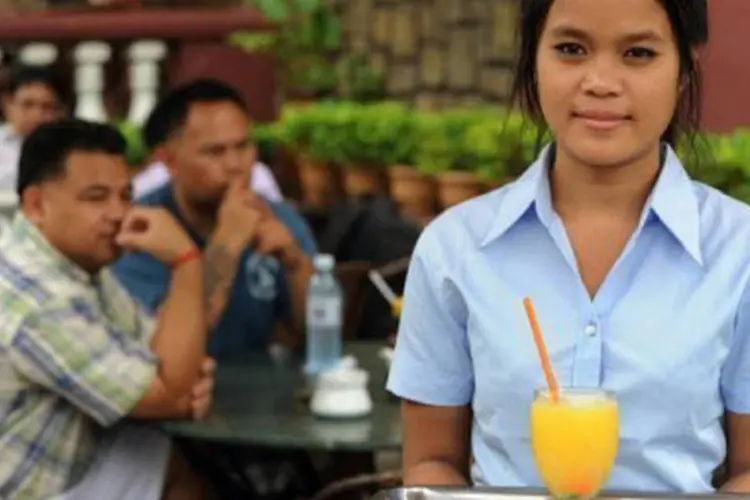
(74, 359)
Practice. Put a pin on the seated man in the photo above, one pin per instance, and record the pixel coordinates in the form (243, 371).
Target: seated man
(77, 355)
(156, 174)
(34, 95)
(256, 252)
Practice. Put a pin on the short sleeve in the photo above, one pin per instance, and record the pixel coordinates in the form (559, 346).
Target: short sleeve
(432, 363)
(68, 350)
(735, 377)
(145, 278)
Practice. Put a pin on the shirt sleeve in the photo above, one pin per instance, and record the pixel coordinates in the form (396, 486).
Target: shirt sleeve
(735, 377)
(432, 362)
(70, 351)
(145, 278)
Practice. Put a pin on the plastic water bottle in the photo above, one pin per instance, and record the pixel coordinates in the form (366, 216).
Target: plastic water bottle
(324, 317)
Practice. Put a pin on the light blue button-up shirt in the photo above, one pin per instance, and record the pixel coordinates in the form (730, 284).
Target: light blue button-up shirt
(668, 331)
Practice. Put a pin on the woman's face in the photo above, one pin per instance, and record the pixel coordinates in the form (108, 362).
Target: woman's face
(607, 76)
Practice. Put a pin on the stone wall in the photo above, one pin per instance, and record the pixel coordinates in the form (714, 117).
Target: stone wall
(436, 52)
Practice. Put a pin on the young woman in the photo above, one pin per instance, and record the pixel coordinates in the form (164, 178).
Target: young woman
(638, 274)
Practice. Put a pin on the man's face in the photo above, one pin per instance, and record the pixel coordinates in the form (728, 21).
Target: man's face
(213, 148)
(30, 106)
(81, 212)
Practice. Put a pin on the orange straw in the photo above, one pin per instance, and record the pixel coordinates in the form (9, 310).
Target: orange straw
(542, 349)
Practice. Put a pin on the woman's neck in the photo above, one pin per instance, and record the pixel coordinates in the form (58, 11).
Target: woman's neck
(578, 188)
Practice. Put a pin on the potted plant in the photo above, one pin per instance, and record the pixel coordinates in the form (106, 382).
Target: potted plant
(504, 147)
(444, 152)
(411, 189)
(314, 134)
(366, 146)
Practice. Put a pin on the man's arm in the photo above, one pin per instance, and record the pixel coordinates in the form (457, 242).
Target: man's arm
(221, 260)
(285, 235)
(238, 218)
(179, 339)
(179, 343)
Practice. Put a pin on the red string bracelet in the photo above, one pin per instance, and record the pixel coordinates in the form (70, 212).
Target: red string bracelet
(186, 257)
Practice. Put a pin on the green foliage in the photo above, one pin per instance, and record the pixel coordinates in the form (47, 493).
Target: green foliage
(308, 33)
(721, 161)
(308, 47)
(136, 152)
(493, 142)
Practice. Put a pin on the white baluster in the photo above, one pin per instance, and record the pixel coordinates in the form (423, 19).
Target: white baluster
(38, 54)
(90, 58)
(144, 56)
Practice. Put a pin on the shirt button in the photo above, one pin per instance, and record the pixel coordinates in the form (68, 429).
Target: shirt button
(590, 330)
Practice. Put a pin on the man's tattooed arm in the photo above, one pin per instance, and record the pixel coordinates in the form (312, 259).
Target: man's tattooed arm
(220, 267)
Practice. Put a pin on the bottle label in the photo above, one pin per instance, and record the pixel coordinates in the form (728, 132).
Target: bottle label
(324, 312)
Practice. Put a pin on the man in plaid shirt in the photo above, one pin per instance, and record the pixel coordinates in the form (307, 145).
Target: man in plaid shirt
(77, 355)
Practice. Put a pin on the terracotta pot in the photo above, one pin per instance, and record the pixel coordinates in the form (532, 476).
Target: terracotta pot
(456, 187)
(413, 192)
(363, 181)
(317, 181)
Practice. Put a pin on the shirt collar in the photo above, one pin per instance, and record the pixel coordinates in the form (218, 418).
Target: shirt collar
(673, 201)
(25, 233)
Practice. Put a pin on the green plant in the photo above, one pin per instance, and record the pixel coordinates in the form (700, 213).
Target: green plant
(726, 164)
(379, 134)
(317, 131)
(135, 153)
(267, 139)
(443, 143)
(359, 81)
(308, 33)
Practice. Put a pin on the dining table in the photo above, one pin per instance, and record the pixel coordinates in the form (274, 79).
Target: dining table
(261, 425)
(263, 399)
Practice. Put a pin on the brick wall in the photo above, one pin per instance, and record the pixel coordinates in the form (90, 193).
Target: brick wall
(436, 52)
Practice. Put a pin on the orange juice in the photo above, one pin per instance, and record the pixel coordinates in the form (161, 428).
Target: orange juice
(574, 441)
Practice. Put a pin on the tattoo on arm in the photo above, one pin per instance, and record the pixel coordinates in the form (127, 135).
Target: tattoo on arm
(219, 271)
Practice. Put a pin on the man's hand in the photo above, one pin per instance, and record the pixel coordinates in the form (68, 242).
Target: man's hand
(154, 231)
(274, 238)
(239, 215)
(202, 395)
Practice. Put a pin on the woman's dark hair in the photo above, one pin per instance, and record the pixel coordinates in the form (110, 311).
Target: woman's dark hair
(689, 20)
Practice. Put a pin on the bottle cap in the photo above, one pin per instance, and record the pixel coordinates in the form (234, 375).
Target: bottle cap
(324, 262)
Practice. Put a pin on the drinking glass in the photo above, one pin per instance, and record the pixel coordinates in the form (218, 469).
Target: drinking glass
(574, 440)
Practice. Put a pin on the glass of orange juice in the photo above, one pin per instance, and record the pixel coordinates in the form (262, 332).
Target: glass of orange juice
(574, 440)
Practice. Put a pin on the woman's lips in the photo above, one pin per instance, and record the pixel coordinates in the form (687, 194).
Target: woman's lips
(601, 120)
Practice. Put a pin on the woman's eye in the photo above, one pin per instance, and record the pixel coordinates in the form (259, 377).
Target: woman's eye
(569, 49)
(640, 53)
